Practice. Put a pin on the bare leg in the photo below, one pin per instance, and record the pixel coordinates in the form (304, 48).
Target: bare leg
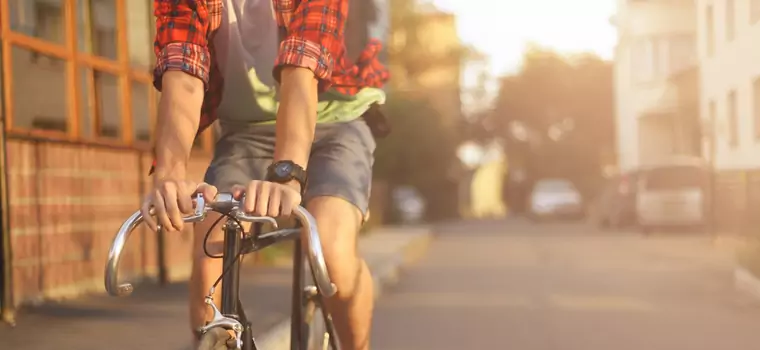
(339, 222)
(205, 272)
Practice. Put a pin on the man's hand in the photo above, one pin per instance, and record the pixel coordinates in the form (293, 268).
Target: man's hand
(171, 200)
(264, 198)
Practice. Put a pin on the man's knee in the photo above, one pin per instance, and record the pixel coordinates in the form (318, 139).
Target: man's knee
(339, 222)
(208, 237)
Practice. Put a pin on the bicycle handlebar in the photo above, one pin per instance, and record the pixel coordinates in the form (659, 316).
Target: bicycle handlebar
(224, 202)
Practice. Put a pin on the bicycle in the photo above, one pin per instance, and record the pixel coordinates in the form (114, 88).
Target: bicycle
(311, 281)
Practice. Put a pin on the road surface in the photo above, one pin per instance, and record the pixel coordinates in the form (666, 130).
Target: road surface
(518, 286)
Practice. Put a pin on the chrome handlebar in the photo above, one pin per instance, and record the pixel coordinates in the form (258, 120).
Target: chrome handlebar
(224, 202)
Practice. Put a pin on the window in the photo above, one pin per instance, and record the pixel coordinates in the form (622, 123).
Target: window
(711, 122)
(141, 111)
(660, 53)
(39, 91)
(85, 107)
(754, 11)
(709, 31)
(756, 106)
(139, 29)
(108, 116)
(682, 53)
(730, 20)
(661, 56)
(101, 90)
(676, 177)
(642, 60)
(42, 19)
(97, 27)
(733, 120)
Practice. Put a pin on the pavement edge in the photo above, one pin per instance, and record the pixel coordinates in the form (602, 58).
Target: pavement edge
(747, 282)
(385, 272)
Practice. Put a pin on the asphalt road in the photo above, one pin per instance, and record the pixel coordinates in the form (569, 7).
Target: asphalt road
(518, 286)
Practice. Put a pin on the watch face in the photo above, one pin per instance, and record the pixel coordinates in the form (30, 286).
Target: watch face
(283, 169)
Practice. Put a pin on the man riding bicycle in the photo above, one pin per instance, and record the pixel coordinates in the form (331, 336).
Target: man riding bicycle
(218, 59)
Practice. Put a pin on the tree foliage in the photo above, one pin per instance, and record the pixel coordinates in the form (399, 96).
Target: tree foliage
(421, 149)
(419, 152)
(573, 94)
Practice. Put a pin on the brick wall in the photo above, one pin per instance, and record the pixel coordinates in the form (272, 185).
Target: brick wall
(66, 203)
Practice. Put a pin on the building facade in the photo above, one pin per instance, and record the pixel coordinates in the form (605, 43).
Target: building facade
(730, 109)
(730, 73)
(656, 85)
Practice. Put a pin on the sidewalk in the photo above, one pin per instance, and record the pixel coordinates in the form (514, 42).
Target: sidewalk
(156, 318)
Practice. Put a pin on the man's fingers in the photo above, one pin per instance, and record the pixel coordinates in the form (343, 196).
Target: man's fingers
(169, 192)
(251, 192)
(185, 197)
(290, 199)
(160, 210)
(209, 192)
(238, 192)
(147, 217)
(262, 198)
(275, 198)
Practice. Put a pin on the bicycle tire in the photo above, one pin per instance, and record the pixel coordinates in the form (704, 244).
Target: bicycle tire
(315, 333)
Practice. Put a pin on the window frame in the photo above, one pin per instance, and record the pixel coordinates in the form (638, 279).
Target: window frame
(77, 61)
(756, 106)
(710, 34)
(754, 11)
(732, 117)
(730, 20)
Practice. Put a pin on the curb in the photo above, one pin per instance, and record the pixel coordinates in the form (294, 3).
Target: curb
(747, 282)
(385, 272)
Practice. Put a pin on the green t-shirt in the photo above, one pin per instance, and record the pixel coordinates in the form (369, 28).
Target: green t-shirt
(261, 107)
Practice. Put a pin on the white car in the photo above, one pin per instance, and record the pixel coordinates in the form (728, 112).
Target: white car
(553, 198)
(672, 194)
(410, 204)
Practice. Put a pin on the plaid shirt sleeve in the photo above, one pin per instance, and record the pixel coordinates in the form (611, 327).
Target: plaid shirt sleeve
(181, 38)
(314, 35)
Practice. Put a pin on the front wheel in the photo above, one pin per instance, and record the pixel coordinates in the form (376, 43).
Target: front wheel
(317, 329)
(311, 326)
(315, 333)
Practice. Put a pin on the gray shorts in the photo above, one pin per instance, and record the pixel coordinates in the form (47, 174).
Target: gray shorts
(340, 164)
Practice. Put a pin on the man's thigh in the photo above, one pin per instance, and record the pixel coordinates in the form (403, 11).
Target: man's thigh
(241, 154)
(340, 165)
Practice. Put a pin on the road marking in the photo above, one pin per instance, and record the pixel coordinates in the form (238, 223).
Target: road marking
(463, 300)
(600, 303)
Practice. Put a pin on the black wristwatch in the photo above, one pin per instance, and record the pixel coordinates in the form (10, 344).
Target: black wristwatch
(285, 171)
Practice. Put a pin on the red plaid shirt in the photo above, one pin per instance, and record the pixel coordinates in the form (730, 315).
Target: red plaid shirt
(314, 40)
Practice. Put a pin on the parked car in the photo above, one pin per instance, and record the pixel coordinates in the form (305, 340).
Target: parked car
(555, 198)
(615, 206)
(673, 194)
(409, 204)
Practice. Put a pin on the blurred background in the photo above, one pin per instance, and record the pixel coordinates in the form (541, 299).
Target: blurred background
(613, 114)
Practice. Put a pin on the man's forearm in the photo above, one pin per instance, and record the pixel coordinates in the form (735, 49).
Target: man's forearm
(297, 115)
(178, 119)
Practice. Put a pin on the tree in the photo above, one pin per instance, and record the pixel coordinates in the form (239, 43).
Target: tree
(419, 152)
(421, 149)
(556, 115)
